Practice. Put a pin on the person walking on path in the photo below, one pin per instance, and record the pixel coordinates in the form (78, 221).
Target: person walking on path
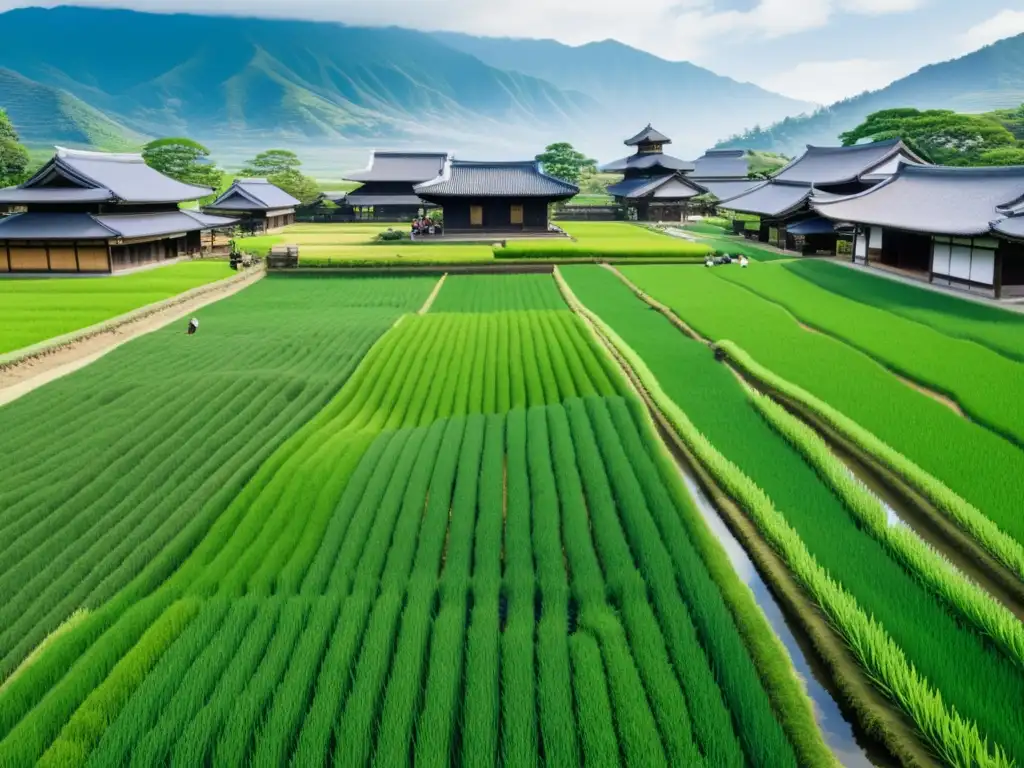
(193, 326)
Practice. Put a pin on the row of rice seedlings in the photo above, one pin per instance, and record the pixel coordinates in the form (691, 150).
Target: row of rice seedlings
(497, 293)
(974, 462)
(667, 702)
(996, 328)
(558, 725)
(604, 480)
(983, 382)
(482, 707)
(955, 739)
(519, 732)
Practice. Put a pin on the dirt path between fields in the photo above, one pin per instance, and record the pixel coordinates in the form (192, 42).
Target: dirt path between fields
(26, 375)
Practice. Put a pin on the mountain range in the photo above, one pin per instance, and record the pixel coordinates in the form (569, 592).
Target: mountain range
(988, 79)
(109, 78)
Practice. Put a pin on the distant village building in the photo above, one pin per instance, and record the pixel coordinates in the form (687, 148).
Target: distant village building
(259, 206)
(725, 173)
(654, 185)
(783, 203)
(494, 196)
(387, 193)
(961, 227)
(99, 212)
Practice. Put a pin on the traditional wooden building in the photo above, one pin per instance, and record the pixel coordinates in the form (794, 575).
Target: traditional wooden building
(99, 212)
(960, 227)
(386, 192)
(725, 173)
(784, 202)
(495, 196)
(259, 206)
(654, 185)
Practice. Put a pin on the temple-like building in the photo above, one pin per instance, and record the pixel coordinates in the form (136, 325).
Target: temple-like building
(783, 203)
(725, 173)
(259, 206)
(960, 227)
(386, 191)
(99, 212)
(654, 185)
(494, 196)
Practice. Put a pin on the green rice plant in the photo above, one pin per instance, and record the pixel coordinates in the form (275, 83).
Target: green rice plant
(245, 715)
(435, 731)
(497, 293)
(86, 726)
(1005, 549)
(640, 247)
(737, 247)
(933, 570)
(957, 740)
(597, 729)
(983, 382)
(995, 328)
(973, 462)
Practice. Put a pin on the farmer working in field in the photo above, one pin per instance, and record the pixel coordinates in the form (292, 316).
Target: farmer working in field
(193, 326)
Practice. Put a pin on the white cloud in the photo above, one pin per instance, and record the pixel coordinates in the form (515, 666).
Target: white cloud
(825, 82)
(1004, 24)
(880, 7)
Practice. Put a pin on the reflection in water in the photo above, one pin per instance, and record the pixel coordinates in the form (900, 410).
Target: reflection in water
(838, 732)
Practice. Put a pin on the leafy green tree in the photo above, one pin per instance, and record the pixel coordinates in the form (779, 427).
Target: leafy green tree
(184, 160)
(13, 156)
(941, 135)
(271, 163)
(296, 184)
(564, 162)
(1004, 156)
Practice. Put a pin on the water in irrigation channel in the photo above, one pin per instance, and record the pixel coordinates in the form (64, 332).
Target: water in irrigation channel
(851, 746)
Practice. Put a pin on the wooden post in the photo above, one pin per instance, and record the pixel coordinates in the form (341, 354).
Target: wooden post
(78, 266)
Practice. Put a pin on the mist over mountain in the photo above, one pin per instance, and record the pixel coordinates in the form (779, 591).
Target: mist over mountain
(988, 79)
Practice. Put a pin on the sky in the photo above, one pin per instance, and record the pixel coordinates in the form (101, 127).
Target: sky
(815, 50)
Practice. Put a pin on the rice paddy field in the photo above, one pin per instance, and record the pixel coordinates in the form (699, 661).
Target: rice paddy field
(33, 310)
(430, 521)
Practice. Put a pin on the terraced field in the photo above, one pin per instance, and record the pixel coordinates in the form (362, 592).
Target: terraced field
(357, 535)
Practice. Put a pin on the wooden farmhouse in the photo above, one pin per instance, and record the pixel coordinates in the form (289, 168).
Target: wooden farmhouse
(783, 203)
(654, 185)
(99, 212)
(259, 206)
(386, 192)
(960, 227)
(495, 196)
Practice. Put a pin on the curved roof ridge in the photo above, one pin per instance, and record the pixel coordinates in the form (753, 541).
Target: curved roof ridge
(109, 157)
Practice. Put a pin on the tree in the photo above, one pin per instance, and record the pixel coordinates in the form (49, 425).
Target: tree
(563, 162)
(297, 185)
(184, 160)
(271, 163)
(13, 156)
(1004, 156)
(941, 135)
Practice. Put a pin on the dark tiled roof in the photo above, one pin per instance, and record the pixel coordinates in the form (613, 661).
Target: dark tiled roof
(20, 196)
(464, 178)
(643, 187)
(722, 164)
(85, 226)
(934, 200)
(770, 199)
(840, 165)
(724, 190)
(254, 195)
(356, 199)
(648, 135)
(812, 226)
(126, 176)
(414, 167)
(1012, 228)
(647, 162)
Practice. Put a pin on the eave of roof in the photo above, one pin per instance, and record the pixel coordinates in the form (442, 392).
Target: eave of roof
(770, 198)
(54, 195)
(841, 165)
(419, 167)
(648, 136)
(518, 179)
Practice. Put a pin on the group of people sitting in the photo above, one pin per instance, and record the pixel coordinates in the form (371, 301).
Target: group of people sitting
(725, 258)
(425, 226)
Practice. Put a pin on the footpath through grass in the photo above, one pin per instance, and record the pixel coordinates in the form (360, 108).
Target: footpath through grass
(35, 310)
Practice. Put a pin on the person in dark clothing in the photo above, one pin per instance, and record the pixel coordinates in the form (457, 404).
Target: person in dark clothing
(193, 326)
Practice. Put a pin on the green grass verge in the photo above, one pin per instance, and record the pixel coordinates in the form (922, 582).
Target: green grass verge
(33, 310)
